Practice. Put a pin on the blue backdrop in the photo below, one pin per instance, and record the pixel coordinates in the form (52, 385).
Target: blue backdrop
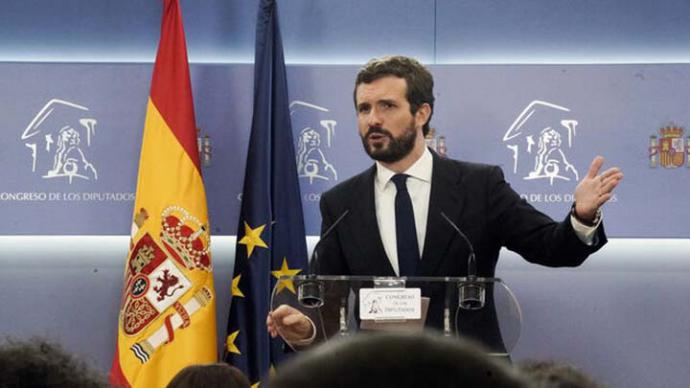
(71, 136)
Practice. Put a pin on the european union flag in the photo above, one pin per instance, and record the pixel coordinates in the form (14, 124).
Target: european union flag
(270, 236)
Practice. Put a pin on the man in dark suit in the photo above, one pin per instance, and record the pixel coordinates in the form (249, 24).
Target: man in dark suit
(394, 214)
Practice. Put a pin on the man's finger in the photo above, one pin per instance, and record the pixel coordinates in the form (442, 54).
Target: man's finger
(612, 185)
(604, 198)
(282, 311)
(292, 319)
(611, 171)
(612, 179)
(595, 166)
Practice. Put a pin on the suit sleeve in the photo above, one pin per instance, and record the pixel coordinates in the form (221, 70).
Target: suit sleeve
(329, 259)
(531, 233)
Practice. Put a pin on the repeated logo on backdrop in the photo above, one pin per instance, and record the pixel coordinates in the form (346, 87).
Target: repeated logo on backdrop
(58, 139)
(540, 139)
(314, 142)
(670, 149)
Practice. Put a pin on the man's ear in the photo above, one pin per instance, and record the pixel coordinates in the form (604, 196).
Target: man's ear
(422, 115)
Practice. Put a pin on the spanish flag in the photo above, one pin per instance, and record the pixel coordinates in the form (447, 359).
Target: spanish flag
(167, 317)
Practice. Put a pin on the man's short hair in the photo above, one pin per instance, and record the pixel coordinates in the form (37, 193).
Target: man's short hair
(400, 360)
(420, 82)
(39, 363)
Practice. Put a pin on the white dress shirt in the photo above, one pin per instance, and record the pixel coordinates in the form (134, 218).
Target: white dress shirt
(419, 187)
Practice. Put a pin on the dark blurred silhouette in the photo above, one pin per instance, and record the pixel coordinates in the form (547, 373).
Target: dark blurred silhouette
(218, 375)
(396, 359)
(39, 363)
(551, 374)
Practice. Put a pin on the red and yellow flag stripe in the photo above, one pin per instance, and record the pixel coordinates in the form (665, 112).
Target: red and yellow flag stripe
(167, 315)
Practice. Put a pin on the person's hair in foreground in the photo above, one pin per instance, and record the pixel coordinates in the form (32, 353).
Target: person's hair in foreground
(218, 375)
(550, 374)
(398, 360)
(40, 363)
(420, 82)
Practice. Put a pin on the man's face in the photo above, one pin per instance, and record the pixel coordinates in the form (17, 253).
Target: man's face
(386, 126)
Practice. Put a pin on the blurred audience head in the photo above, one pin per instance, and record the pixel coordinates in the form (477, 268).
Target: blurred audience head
(550, 374)
(218, 375)
(39, 363)
(398, 360)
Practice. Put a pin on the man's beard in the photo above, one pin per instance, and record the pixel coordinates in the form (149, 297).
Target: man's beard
(397, 148)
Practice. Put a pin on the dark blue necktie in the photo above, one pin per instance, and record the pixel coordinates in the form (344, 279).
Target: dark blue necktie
(405, 231)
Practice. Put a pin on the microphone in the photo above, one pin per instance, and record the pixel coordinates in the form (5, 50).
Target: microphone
(314, 261)
(472, 293)
(471, 260)
(310, 292)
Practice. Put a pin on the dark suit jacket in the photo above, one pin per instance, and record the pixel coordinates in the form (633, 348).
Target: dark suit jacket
(482, 204)
(476, 197)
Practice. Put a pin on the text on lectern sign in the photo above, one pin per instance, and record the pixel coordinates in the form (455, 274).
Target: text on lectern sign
(390, 303)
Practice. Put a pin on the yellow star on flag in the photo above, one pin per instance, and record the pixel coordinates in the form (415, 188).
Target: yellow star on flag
(256, 385)
(285, 271)
(236, 287)
(230, 343)
(252, 238)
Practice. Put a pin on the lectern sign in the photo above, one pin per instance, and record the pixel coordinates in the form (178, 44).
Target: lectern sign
(390, 303)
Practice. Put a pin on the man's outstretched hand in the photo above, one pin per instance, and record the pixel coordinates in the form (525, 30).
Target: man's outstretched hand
(595, 189)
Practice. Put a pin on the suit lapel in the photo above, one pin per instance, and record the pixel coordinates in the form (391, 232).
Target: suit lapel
(445, 197)
(367, 233)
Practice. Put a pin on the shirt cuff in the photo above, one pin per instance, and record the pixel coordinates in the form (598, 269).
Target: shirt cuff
(586, 233)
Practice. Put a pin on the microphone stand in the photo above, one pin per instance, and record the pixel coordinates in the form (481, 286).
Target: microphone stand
(471, 292)
(310, 291)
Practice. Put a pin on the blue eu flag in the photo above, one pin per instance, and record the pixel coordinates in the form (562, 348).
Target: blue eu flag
(270, 235)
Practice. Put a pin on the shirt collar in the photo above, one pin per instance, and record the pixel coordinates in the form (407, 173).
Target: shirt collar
(421, 169)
